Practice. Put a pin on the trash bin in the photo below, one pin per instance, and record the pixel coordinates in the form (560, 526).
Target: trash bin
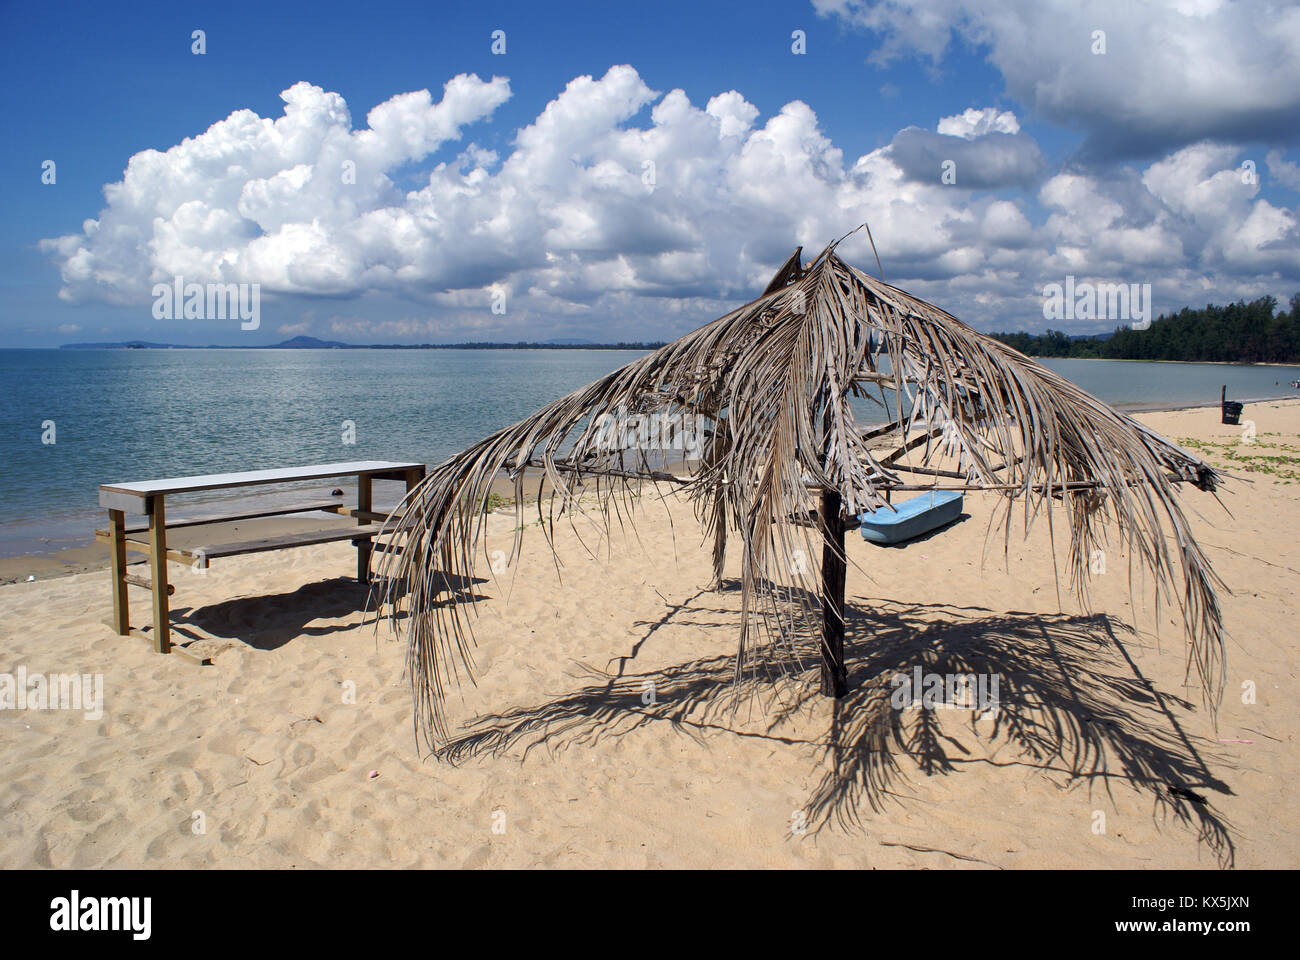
(1231, 412)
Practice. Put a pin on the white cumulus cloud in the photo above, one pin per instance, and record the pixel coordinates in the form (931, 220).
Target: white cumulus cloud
(627, 213)
(1173, 72)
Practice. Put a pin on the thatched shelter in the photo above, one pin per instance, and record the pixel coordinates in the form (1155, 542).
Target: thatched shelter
(785, 464)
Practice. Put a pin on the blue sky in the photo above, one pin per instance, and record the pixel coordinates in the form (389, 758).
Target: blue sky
(1136, 181)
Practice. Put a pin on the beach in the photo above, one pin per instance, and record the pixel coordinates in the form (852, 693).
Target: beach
(602, 730)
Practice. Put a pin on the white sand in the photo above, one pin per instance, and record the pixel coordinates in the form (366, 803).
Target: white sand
(265, 747)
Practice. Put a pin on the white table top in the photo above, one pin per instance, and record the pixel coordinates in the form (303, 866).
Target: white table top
(217, 481)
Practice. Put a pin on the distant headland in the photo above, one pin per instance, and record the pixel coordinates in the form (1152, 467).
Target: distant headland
(312, 343)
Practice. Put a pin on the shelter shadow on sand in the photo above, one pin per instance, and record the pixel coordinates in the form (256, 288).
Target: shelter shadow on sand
(1072, 703)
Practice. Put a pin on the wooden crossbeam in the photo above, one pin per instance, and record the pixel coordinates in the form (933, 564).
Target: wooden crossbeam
(928, 471)
(328, 506)
(175, 556)
(367, 516)
(146, 583)
(304, 538)
(1067, 487)
(909, 446)
(881, 431)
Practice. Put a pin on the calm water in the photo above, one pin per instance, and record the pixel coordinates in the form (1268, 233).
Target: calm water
(142, 414)
(139, 414)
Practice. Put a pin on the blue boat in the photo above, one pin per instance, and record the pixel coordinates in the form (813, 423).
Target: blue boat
(911, 518)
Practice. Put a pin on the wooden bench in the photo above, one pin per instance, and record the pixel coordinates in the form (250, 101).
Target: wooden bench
(148, 498)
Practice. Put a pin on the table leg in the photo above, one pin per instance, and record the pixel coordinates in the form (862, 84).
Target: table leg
(158, 573)
(364, 506)
(117, 567)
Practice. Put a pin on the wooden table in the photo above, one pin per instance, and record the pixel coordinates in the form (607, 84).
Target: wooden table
(148, 498)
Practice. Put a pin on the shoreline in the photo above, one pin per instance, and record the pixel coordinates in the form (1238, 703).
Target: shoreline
(93, 556)
(1160, 407)
(1208, 363)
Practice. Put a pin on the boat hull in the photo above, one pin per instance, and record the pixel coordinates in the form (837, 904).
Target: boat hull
(911, 518)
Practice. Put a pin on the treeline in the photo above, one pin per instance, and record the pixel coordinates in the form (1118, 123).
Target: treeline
(1240, 332)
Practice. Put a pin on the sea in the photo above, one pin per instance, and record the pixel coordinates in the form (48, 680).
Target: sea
(73, 419)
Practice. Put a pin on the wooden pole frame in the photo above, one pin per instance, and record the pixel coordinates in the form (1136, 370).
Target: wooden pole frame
(835, 677)
(158, 574)
(117, 569)
(365, 504)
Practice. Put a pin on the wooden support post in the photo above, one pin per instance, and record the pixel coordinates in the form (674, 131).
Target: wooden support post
(117, 569)
(364, 505)
(835, 681)
(413, 478)
(835, 678)
(158, 573)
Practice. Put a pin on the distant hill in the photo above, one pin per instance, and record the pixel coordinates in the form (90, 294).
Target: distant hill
(309, 343)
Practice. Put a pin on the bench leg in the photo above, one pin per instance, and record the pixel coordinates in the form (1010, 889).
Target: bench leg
(364, 505)
(158, 571)
(117, 568)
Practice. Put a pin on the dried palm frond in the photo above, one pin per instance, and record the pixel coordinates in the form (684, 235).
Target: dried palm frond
(771, 383)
